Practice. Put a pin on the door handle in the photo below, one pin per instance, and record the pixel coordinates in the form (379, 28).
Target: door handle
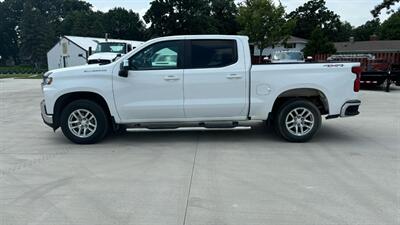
(171, 78)
(234, 76)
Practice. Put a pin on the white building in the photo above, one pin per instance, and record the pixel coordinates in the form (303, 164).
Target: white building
(67, 51)
(292, 44)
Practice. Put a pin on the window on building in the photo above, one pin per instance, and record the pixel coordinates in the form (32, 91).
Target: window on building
(290, 45)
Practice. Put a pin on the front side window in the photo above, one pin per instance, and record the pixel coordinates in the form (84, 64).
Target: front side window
(212, 53)
(163, 55)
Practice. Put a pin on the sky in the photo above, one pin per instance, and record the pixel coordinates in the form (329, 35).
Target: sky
(357, 12)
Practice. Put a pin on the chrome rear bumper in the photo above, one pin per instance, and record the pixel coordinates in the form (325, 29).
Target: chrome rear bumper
(350, 108)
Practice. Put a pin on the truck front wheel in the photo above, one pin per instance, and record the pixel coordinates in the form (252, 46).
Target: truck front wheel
(84, 122)
(297, 120)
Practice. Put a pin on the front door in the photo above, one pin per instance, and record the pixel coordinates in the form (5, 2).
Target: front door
(153, 90)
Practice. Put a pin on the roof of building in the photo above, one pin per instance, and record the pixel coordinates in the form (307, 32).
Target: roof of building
(368, 46)
(293, 39)
(86, 42)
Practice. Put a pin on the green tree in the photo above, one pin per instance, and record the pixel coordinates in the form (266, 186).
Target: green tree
(314, 13)
(97, 24)
(344, 32)
(319, 44)
(386, 4)
(365, 31)
(58, 10)
(34, 35)
(175, 17)
(224, 13)
(264, 22)
(78, 23)
(15, 18)
(118, 23)
(124, 24)
(391, 27)
(11, 12)
(68, 6)
(55, 12)
(3, 49)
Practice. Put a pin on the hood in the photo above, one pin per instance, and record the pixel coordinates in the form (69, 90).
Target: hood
(103, 55)
(81, 69)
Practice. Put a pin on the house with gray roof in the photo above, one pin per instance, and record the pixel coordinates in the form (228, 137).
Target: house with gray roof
(368, 47)
(292, 44)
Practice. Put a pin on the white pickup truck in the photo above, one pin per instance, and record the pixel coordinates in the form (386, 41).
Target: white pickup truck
(197, 81)
(109, 51)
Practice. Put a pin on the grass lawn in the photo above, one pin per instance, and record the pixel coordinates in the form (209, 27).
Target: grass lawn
(21, 76)
(16, 67)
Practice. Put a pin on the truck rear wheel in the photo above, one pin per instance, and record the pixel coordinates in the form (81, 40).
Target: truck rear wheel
(297, 120)
(84, 122)
(386, 85)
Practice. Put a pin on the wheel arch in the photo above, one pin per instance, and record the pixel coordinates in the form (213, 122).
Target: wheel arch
(314, 95)
(65, 99)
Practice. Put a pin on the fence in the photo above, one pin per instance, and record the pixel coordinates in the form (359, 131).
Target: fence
(391, 58)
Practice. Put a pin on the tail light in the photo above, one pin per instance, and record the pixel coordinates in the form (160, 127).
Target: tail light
(357, 70)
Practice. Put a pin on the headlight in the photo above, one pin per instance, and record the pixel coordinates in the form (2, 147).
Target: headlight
(47, 80)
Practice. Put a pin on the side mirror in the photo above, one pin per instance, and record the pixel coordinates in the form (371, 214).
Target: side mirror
(123, 72)
(81, 55)
(129, 48)
(116, 57)
(90, 51)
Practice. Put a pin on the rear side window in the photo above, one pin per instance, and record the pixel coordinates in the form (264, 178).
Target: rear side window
(212, 53)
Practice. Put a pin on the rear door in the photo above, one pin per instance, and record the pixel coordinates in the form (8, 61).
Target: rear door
(214, 80)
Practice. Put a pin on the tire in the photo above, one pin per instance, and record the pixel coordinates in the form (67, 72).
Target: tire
(122, 129)
(89, 123)
(309, 123)
(386, 85)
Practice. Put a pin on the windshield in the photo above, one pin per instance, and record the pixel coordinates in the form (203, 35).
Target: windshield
(288, 56)
(111, 47)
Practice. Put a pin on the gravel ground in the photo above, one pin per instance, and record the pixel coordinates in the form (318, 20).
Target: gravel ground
(348, 174)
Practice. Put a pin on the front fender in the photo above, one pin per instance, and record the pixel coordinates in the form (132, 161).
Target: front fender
(97, 84)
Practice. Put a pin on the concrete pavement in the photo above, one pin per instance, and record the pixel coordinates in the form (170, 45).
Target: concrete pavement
(349, 173)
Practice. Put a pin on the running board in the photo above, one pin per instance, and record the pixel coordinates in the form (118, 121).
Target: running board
(189, 125)
(188, 129)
